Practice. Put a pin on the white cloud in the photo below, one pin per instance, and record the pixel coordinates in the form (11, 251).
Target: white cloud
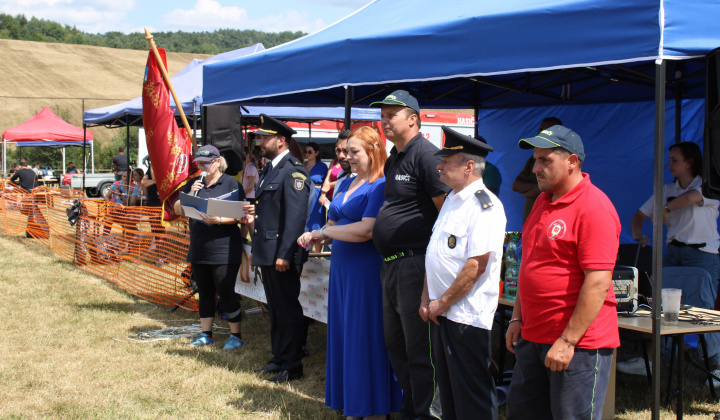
(349, 4)
(88, 15)
(205, 13)
(210, 15)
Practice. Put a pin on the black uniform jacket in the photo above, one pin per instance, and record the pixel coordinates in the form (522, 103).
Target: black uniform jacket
(281, 209)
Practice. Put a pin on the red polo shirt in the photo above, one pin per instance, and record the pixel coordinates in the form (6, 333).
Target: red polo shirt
(579, 231)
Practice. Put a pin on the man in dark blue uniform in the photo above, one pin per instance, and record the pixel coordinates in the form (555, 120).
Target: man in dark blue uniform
(413, 198)
(281, 206)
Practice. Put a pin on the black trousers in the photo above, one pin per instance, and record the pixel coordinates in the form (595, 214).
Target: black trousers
(461, 355)
(407, 336)
(287, 323)
(220, 279)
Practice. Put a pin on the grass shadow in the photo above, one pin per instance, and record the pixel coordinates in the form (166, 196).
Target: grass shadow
(124, 307)
(286, 400)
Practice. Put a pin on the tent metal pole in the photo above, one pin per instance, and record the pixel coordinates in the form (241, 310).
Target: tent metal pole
(92, 155)
(348, 106)
(127, 157)
(84, 154)
(476, 106)
(4, 152)
(194, 119)
(84, 148)
(657, 233)
(678, 101)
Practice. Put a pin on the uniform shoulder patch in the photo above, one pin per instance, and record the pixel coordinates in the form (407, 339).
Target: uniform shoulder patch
(298, 183)
(296, 162)
(299, 175)
(484, 199)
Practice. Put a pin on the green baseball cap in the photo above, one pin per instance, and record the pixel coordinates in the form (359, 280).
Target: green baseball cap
(401, 98)
(556, 136)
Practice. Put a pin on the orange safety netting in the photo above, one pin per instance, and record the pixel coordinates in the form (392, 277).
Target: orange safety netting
(125, 245)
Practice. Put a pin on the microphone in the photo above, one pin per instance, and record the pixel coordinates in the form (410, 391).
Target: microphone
(203, 174)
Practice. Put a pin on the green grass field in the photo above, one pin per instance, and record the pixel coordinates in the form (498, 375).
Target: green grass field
(66, 353)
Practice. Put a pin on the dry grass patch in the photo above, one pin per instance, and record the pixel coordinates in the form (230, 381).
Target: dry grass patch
(66, 353)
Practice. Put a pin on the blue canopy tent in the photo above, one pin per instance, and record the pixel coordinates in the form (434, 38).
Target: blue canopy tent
(493, 55)
(487, 53)
(312, 113)
(188, 85)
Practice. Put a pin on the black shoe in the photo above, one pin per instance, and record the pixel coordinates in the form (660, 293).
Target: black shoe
(287, 375)
(269, 368)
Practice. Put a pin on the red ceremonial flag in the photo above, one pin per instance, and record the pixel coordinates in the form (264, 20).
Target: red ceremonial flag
(169, 147)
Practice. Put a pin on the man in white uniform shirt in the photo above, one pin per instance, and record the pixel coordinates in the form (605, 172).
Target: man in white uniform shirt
(462, 281)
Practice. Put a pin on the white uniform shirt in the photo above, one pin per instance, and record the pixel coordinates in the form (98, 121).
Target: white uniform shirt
(275, 162)
(694, 224)
(462, 222)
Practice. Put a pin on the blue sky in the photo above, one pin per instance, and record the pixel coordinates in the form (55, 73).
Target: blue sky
(100, 16)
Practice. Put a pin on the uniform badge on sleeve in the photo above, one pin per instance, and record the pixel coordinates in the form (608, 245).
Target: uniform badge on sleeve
(452, 241)
(299, 179)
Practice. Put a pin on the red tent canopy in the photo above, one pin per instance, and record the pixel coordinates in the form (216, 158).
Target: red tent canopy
(46, 129)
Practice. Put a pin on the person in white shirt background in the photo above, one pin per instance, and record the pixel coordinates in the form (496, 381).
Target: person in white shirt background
(692, 235)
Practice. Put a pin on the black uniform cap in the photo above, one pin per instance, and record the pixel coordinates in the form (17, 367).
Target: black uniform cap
(460, 143)
(270, 126)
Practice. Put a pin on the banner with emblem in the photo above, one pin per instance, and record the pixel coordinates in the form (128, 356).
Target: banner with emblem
(169, 147)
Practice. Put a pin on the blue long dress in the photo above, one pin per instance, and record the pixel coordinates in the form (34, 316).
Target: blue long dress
(358, 377)
(316, 216)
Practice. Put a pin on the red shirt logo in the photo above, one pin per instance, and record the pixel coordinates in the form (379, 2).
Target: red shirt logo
(556, 230)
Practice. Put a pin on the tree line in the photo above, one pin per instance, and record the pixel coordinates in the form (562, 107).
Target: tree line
(221, 40)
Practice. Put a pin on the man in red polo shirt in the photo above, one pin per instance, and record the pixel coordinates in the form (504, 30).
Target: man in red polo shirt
(564, 326)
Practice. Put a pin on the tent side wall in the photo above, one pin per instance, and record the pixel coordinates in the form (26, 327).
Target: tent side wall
(618, 141)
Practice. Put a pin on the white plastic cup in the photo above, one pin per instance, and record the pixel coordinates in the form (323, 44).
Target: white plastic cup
(671, 305)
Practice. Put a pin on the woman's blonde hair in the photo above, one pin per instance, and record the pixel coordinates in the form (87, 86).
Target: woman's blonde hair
(222, 164)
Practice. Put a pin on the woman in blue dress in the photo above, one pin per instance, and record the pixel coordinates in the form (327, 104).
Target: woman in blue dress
(358, 378)
(317, 170)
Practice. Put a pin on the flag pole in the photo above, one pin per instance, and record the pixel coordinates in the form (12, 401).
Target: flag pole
(165, 76)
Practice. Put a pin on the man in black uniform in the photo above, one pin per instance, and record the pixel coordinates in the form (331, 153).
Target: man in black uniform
(413, 198)
(28, 177)
(281, 206)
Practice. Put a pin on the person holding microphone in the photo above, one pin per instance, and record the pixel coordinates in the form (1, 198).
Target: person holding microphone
(215, 248)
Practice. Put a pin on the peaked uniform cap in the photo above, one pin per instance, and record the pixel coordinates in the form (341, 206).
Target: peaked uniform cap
(459, 143)
(270, 126)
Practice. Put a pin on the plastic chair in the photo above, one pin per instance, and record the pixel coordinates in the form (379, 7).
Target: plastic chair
(699, 289)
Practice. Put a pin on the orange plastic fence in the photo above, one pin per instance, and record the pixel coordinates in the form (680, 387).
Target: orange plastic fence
(125, 245)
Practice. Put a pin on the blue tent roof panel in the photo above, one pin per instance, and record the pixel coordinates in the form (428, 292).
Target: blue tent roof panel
(188, 85)
(423, 43)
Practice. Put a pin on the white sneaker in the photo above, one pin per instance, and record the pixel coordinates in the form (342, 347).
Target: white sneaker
(634, 366)
(716, 383)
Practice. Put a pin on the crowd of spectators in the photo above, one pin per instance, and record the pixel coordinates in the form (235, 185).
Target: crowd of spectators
(417, 246)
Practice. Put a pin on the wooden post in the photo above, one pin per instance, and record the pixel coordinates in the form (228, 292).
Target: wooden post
(165, 76)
